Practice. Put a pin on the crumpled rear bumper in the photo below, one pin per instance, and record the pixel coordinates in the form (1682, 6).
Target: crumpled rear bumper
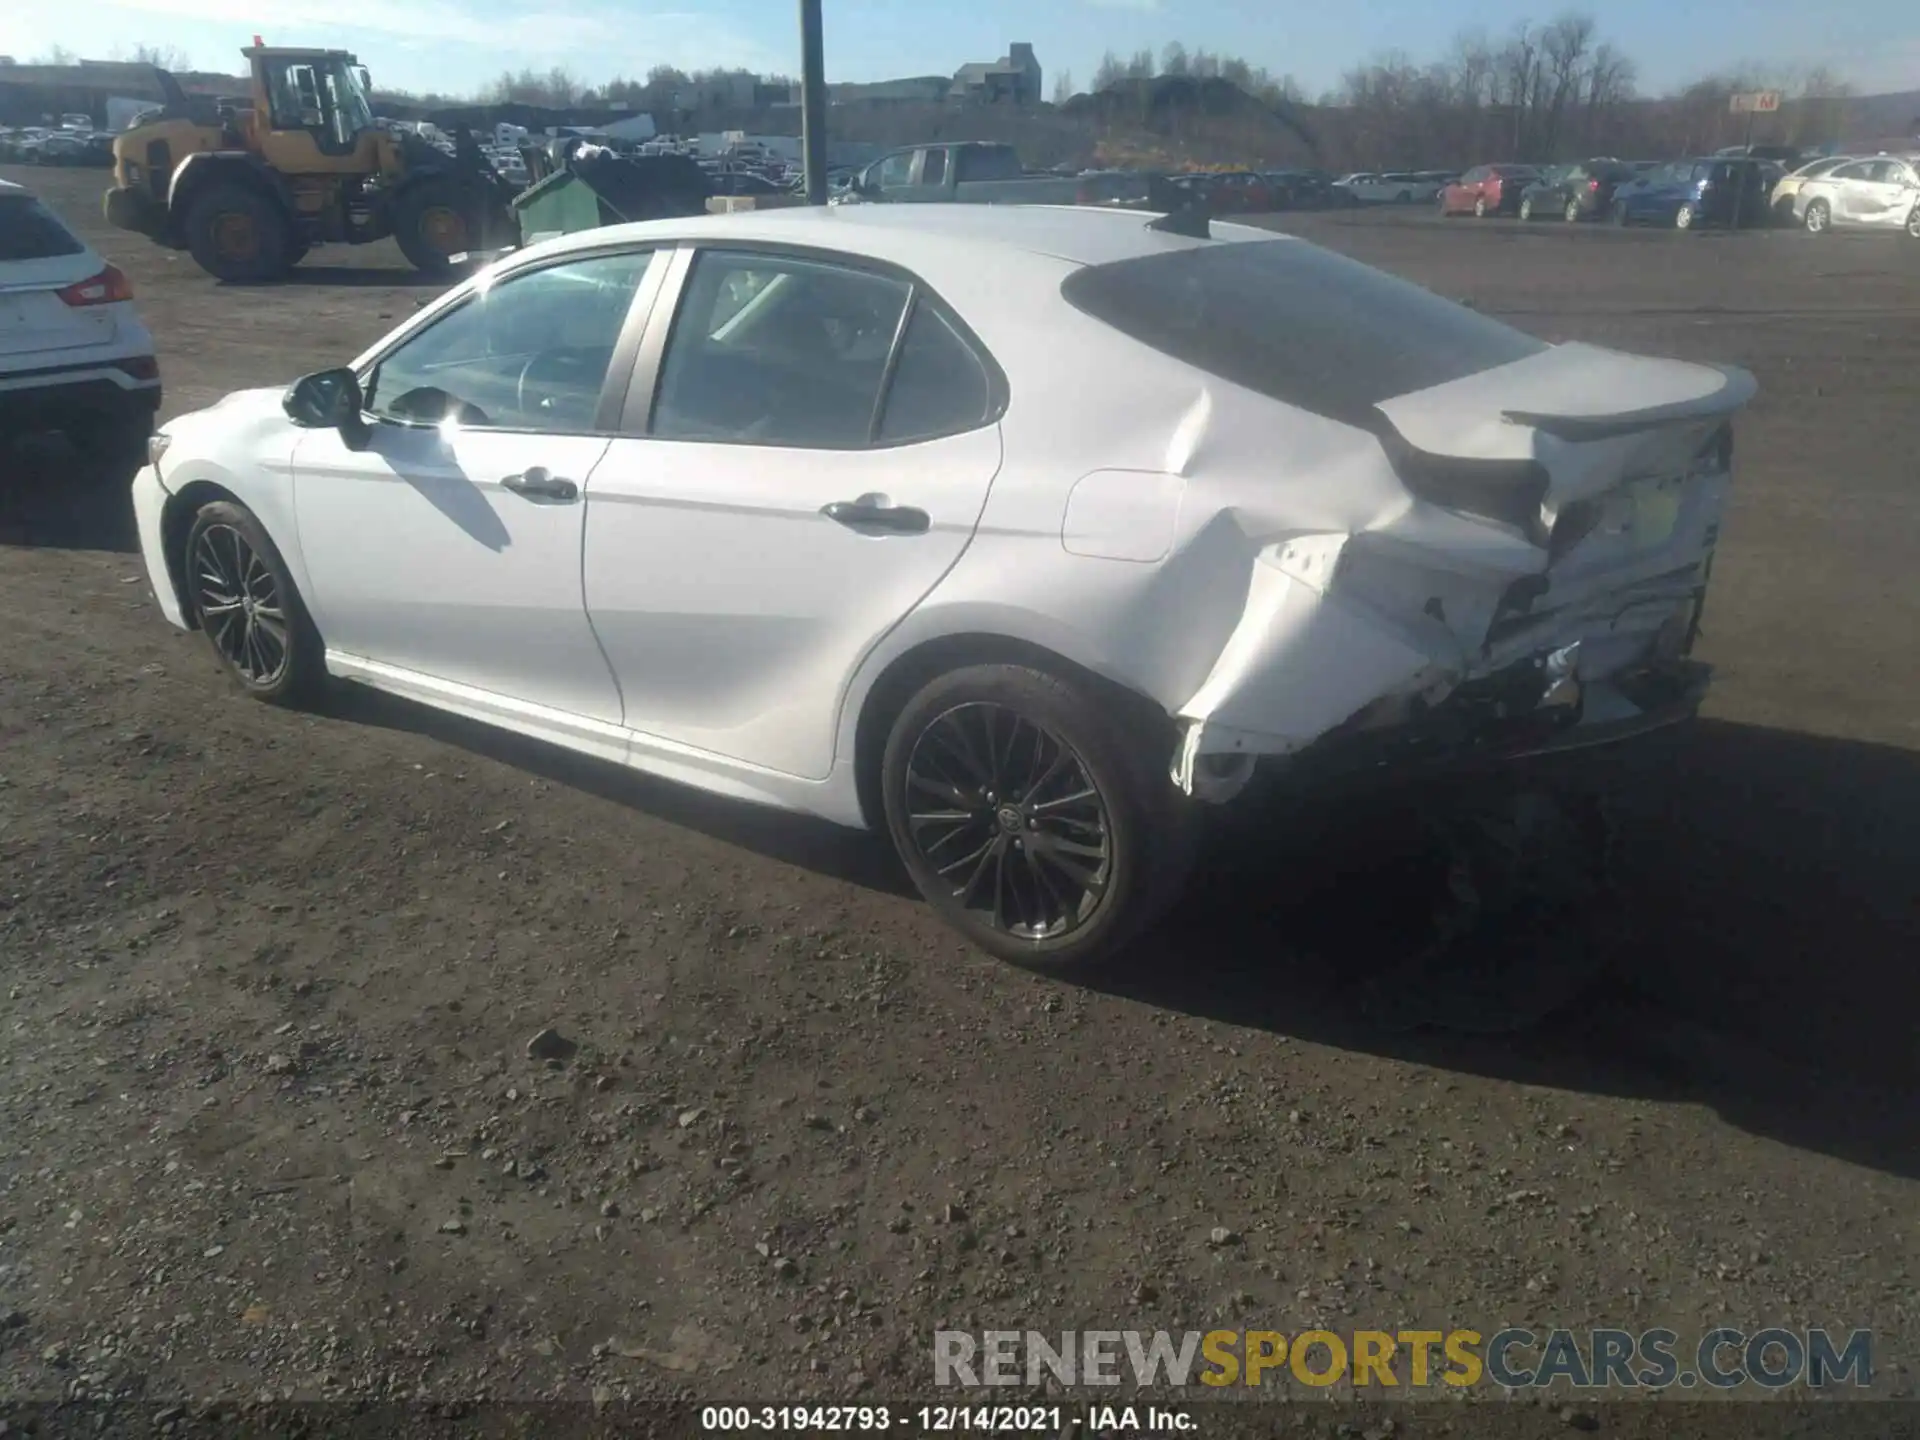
(1325, 676)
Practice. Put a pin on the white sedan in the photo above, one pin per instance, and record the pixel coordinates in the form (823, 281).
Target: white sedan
(1021, 533)
(74, 355)
(1882, 192)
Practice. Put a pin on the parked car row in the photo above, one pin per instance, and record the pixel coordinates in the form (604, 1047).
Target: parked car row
(37, 145)
(1728, 190)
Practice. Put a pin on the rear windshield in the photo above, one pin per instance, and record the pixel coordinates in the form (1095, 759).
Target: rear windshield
(30, 231)
(1296, 323)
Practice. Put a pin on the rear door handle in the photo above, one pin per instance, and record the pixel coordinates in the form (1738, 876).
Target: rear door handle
(536, 482)
(870, 517)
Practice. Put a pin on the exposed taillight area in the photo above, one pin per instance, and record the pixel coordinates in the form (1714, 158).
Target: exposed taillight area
(1716, 455)
(1510, 491)
(109, 287)
(139, 367)
(1593, 184)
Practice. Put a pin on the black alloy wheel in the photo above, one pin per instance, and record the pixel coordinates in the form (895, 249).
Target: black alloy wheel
(240, 605)
(1035, 813)
(1005, 812)
(240, 594)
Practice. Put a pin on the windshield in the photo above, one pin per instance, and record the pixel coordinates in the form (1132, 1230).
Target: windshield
(350, 108)
(1296, 323)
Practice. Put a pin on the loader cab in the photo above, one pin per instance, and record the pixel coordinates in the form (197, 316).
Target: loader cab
(315, 109)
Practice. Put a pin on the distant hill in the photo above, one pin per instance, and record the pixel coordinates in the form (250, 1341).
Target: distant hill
(1886, 116)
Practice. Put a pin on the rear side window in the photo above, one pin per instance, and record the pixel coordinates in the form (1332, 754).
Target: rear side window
(30, 231)
(1296, 323)
(986, 162)
(939, 385)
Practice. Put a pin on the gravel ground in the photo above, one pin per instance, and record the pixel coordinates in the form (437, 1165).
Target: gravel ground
(369, 1054)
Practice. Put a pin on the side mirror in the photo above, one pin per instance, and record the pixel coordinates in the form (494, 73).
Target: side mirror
(329, 400)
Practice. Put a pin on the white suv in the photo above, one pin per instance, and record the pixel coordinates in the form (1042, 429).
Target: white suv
(74, 356)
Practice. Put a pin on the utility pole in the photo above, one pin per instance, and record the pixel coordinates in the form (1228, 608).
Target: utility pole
(813, 101)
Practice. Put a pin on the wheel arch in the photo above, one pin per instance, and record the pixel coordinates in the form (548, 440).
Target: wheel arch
(195, 173)
(903, 676)
(176, 521)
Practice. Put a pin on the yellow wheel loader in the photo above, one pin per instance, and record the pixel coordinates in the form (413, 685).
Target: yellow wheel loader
(249, 191)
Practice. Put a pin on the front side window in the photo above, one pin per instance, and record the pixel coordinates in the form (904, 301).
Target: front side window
(528, 353)
(895, 170)
(776, 350)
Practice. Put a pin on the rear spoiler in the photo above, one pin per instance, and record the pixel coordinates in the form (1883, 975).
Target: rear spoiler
(1575, 428)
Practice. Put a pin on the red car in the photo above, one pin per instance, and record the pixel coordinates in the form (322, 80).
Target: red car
(1487, 190)
(1232, 190)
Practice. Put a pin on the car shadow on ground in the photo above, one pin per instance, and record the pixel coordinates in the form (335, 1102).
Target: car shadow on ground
(845, 855)
(1758, 954)
(352, 277)
(53, 497)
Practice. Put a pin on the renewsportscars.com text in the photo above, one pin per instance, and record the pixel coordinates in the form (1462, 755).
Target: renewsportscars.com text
(1772, 1358)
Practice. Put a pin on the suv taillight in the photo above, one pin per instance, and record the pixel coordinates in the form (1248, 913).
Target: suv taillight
(1593, 184)
(109, 287)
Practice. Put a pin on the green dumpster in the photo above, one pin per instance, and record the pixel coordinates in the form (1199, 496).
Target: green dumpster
(559, 205)
(609, 190)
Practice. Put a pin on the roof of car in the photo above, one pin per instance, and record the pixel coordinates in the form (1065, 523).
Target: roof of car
(1081, 234)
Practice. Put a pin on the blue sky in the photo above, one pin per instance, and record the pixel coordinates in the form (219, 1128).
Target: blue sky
(458, 45)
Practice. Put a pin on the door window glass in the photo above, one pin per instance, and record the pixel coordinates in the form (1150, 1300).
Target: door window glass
(798, 361)
(939, 387)
(530, 353)
(895, 170)
(933, 171)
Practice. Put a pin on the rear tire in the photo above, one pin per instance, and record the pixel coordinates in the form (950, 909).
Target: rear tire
(1526, 207)
(1683, 218)
(1573, 212)
(244, 601)
(1479, 207)
(1620, 214)
(1034, 815)
(238, 233)
(1913, 222)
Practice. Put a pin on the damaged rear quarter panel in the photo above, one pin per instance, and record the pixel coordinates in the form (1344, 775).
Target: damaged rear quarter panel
(1262, 573)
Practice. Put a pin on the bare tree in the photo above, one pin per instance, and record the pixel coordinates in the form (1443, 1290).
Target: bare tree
(1109, 71)
(57, 55)
(167, 57)
(1564, 46)
(1063, 87)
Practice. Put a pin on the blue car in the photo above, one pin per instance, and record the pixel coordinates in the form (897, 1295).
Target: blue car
(1716, 190)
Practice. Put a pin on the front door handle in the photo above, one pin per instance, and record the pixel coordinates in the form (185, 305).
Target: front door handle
(870, 516)
(536, 482)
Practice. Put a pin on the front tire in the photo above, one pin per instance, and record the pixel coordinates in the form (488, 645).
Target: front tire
(1913, 222)
(244, 601)
(1620, 214)
(238, 233)
(1819, 217)
(1033, 815)
(1683, 218)
(434, 220)
(1479, 207)
(1573, 212)
(1526, 207)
